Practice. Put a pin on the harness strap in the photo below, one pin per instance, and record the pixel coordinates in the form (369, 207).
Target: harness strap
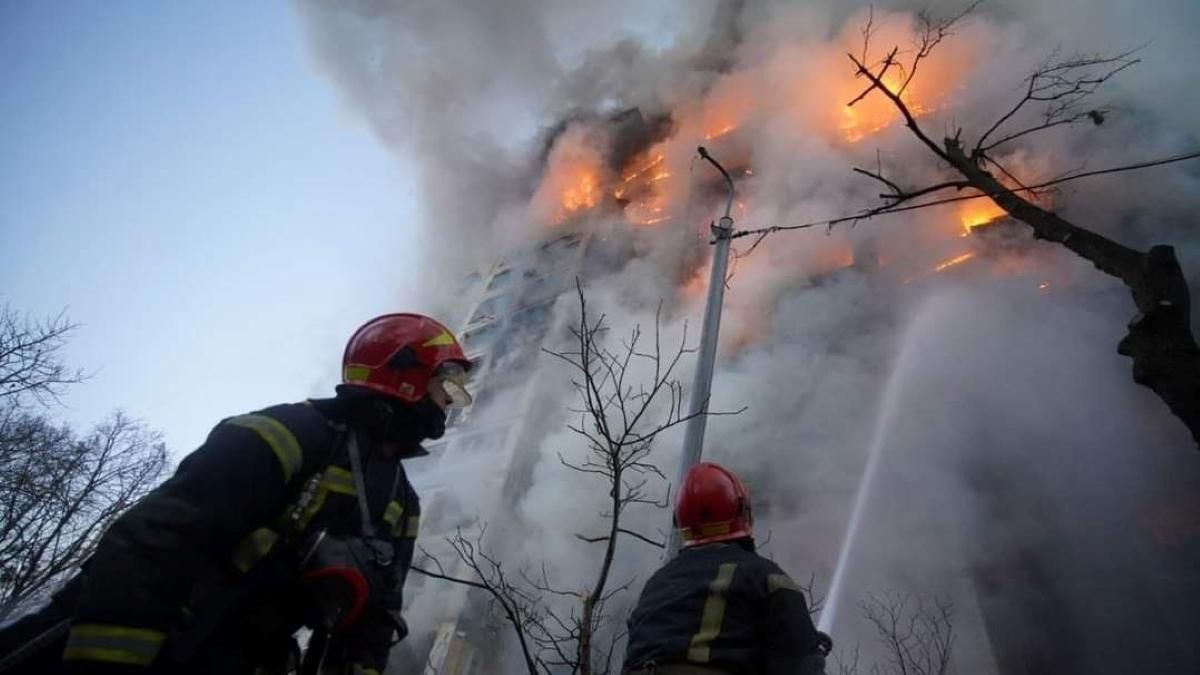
(364, 509)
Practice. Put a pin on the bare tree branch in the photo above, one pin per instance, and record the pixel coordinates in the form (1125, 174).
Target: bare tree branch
(648, 540)
(831, 222)
(1063, 85)
(58, 493)
(31, 357)
(1166, 357)
(628, 395)
(920, 639)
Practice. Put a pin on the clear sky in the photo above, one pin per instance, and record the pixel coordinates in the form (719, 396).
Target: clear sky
(179, 177)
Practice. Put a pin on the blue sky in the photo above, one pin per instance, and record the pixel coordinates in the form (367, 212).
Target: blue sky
(181, 180)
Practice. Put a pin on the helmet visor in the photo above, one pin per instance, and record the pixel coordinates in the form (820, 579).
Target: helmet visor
(451, 377)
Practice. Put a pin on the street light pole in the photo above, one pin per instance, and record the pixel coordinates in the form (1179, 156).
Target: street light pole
(693, 439)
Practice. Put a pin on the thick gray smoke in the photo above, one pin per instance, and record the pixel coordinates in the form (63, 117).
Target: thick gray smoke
(1020, 472)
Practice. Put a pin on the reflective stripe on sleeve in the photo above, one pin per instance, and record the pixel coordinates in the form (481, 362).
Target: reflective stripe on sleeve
(113, 644)
(335, 479)
(283, 443)
(713, 615)
(339, 480)
(414, 526)
(780, 582)
(392, 514)
(253, 548)
(360, 669)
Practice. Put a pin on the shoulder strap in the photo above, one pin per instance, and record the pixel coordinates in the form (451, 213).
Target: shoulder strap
(360, 485)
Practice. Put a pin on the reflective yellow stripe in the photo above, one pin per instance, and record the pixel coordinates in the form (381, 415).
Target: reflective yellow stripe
(335, 479)
(713, 615)
(360, 669)
(253, 548)
(113, 644)
(443, 339)
(392, 514)
(713, 529)
(339, 480)
(282, 442)
(706, 530)
(780, 582)
(414, 525)
(356, 373)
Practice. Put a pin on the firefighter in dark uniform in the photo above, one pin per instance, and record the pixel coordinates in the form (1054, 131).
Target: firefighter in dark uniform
(297, 514)
(718, 608)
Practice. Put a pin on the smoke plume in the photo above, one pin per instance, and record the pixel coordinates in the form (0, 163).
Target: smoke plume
(1020, 472)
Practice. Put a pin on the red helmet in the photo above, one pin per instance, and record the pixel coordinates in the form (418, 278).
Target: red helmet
(713, 505)
(399, 354)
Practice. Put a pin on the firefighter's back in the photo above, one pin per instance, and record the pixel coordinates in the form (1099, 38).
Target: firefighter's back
(706, 611)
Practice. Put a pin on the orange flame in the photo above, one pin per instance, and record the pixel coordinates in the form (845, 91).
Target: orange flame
(717, 133)
(953, 262)
(876, 112)
(575, 179)
(978, 212)
(658, 159)
(923, 91)
(643, 191)
(583, 193)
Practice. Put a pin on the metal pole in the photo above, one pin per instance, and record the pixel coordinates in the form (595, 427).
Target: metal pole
(693, 439)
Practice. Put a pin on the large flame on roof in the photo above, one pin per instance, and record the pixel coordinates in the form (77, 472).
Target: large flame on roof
(575, 179)
(798, 93)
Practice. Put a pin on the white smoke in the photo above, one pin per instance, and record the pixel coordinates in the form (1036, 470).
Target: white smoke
(1018, 449)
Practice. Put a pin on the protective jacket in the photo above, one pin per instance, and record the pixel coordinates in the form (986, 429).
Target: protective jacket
(203, 575)
(722, 607)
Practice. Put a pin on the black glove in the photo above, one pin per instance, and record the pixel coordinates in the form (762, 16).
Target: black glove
(814, 663)
(824, 643)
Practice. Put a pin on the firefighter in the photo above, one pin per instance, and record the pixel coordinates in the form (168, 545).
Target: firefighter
(718, 608)
(297, 514)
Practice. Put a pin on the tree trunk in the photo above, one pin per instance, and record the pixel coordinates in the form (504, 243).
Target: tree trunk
(1160, 341)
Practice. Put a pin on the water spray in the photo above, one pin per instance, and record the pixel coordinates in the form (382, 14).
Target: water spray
(887, 411)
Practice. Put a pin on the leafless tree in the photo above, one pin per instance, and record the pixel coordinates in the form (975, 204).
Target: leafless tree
(620, 414)
(1165, 355)
(917, 635)
(1058, 93)
(58, 493)
(520, 607)
(619, 419)
(31, 364)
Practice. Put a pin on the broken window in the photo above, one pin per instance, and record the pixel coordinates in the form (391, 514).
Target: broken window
(500, 279)
(481, 336)
(488, 310)
(478, 363)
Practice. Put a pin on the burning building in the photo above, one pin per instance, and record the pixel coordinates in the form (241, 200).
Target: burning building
(934, 403)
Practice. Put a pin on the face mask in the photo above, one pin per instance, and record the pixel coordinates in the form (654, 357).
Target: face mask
(410, 423)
